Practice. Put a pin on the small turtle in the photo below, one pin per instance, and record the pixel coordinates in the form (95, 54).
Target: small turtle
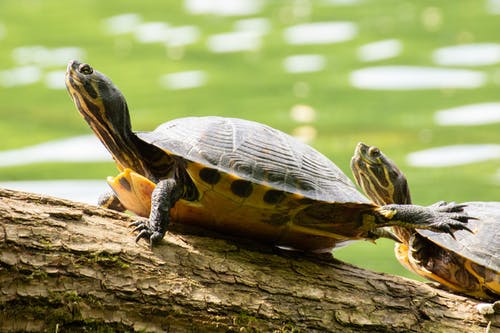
(467, 263)
(235, 176)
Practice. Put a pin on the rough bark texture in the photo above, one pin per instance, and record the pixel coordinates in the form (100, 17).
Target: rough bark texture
(66, 266)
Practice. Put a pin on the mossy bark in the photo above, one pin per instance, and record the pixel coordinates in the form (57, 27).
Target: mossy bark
(66, 266)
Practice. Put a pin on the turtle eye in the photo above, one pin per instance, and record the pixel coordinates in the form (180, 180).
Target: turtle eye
(374, 152)
(85, 69)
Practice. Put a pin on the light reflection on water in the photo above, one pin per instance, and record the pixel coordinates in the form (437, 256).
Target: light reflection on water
(152, 32)
(20, 76)
(415, 77)
(469, 115)
(122, 24)
(33, 60)
(468, 55)
(304, 63)
(454, 155)
(257, 25)
(320, 33)
(234, 42)
(380, 50)
(493, 7)
(86, 148)
(223, 7)
(86, 191)
(183, 80)
(43, 56)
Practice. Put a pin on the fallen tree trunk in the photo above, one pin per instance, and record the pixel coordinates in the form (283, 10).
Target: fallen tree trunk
(66, 266)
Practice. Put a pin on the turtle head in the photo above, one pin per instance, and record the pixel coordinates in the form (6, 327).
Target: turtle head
(378, 176)
(98, 100)
(104, 108)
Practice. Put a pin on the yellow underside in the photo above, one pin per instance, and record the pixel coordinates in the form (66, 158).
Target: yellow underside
(218, 208)
(460, 276)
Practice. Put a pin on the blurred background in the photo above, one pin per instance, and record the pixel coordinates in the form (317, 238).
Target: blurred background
(419, 79)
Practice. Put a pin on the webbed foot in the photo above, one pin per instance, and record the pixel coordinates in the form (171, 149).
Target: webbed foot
(449, 217)
(440, 217)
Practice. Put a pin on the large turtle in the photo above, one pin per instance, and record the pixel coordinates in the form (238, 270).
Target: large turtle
(235, 176)
(467, 263)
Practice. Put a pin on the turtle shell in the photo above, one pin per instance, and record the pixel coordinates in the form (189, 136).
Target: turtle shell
(257, 153)
(472, 246)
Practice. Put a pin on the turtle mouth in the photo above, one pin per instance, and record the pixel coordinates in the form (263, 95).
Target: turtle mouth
(71, 74)
(72, 70)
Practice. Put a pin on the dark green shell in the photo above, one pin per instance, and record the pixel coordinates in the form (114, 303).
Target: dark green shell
(255, 153)
(483, 245)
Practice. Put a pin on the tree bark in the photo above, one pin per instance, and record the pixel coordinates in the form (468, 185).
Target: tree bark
(66, 266)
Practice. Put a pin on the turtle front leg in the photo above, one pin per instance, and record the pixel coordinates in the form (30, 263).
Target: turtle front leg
(163, 198)
(109, 200)
(440, 217)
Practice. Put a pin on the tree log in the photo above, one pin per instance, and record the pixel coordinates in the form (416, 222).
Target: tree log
(66, 266)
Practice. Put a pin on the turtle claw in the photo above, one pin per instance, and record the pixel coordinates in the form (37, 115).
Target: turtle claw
(453, 222)
(449, 207)
(449, 223)
(145, 232)
(142, 227)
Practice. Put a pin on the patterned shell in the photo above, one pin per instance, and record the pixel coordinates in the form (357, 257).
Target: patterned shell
(483, 245)
(255, 152)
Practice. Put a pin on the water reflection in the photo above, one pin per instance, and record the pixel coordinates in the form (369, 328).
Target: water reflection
(223, 7)
(302, 113)
(85, 148)
(234, 42)
(122, 24)
(86, 191)
(258, 25)
(469, 115)
(468, 55)
(454, 155)
(304, 63)
(380, 50)
(341, 2)
(493, 7)
(44, 56)
(20, 76)
(183, 35)
(34, 60)
(55, 79)
(152, 32)
(320, 33)
(415, 77)
(183, 80)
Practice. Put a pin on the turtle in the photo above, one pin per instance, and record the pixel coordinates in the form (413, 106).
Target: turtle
(467, 263)
(234, 176)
